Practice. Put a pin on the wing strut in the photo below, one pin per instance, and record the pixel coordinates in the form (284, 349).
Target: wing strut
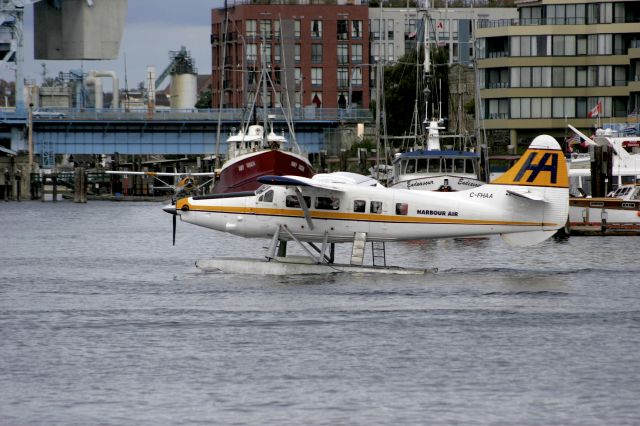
(305, 208)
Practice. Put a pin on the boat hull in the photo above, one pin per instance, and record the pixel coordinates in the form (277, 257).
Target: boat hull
(242, 173)
(604, 215)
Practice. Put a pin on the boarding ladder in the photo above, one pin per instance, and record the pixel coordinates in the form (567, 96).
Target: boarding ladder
(357, 252)
(378, 253)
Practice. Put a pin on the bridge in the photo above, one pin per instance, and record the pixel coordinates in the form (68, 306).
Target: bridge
(186, 132)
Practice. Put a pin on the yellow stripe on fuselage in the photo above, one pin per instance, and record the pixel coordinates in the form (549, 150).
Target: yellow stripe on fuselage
(321, 214)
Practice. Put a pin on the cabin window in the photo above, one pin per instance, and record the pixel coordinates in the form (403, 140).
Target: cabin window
(267, 197)
(422, 165)
(402, 209)
(458, 164)
(469, 166)
(376, 207)
(327, 203)
(447, 165)
(292, 201)
(411, 166)
(627, 179)
(359, 206)
(434, 165)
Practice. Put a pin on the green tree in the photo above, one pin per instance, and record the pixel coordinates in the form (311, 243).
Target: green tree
(402, 86)
(204, 100)
(400, 92)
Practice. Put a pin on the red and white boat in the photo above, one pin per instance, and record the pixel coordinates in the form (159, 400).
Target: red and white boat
(253, 154)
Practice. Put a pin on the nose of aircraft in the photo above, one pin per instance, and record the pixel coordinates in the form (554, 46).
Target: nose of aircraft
(171, 209)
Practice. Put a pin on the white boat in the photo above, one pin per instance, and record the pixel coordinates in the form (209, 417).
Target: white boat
(435, 169)
(428, 167)
(618, 212)
(625, 167)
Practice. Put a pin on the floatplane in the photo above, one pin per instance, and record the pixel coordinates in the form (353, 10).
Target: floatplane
(185, 185)
(525, 205)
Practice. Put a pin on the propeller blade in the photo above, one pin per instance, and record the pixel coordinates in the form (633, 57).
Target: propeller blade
(174, 229)
(172, 211)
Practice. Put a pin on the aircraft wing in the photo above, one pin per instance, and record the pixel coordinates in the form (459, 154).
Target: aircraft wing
(300, 182)
(114, 172)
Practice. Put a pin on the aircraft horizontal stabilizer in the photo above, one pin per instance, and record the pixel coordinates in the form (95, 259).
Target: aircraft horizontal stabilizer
(526, 194)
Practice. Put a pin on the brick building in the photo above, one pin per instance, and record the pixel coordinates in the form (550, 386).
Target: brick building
(316, 54)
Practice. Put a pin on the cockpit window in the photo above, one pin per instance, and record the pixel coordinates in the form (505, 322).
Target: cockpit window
(267, 197)
(261, 189)
(292, 201)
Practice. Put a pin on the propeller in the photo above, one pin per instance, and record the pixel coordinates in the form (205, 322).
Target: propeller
(172, 210)
(174, 228)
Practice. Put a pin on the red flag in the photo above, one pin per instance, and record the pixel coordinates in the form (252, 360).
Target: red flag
(595, 112)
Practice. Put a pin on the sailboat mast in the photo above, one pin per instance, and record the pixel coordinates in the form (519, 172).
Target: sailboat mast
(221, 92)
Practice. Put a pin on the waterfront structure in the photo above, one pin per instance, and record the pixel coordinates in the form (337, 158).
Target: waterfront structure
(559, 63)
(315, 53)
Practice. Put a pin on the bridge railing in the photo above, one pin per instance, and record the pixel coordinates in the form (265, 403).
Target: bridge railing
(227, 114)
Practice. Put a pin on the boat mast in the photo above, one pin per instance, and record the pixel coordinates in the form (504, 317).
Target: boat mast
(223, 60)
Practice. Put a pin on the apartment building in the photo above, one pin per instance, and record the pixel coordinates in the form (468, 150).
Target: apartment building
(395, 31)
(560, 63)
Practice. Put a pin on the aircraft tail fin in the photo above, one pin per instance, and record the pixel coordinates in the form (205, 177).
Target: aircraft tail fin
(540, 179)
(543, 165)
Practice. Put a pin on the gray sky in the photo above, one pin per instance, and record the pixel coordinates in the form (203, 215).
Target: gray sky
(152, 29)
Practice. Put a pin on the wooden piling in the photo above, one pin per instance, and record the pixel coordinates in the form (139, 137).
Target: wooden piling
(79, 187)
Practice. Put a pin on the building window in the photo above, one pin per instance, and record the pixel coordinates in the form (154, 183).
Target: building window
(356, 76)
(389, 29)
(356, 29)
(316, 76)
(267, 53)
(356, 53)
(297, 76)
(343, 29)
(316, 28)
(390, 52)
(277, 75)
(276, 54)
(296, 53)
(251, 27)
(343, 53)
(296, 28)
(343, 78)
(316, 53)
(374, 29)
(265, 28)
(276, 28)
(252, 53)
